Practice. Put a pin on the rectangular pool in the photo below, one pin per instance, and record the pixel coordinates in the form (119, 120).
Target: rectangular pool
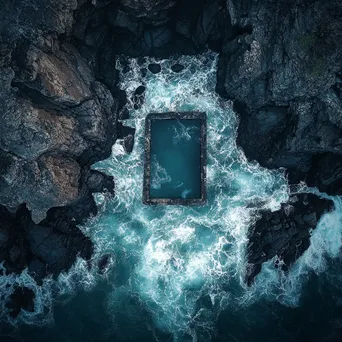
(175, 158)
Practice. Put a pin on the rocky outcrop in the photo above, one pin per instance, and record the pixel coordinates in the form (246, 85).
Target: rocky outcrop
(21, 299)
(153, 27)
(285, 233)
(287, 50)
(284, 72)
(326, 173)
(148, 9)
(52, 245)
(58, 117)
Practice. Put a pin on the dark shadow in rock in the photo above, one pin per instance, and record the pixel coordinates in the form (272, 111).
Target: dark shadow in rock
(122, 20)
(124, 114)
(326, 173)
(157, 37)
(49, 247)
(124, 131)
(127, 134)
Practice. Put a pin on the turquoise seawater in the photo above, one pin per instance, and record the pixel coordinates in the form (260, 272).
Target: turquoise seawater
(176, 272)
(175, 159)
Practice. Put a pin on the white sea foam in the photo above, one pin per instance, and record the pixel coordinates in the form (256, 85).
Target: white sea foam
(159, 175)
(185, 253)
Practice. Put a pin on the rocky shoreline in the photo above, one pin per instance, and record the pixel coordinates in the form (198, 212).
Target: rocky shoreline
(285, 233)
(61, 110)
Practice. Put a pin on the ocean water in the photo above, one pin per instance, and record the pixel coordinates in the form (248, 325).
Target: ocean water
(176, 272)
(175, 159)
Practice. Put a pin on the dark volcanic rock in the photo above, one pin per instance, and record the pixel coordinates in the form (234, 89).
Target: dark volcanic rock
(304, 137)
(163, 28)
(127, 134)
(326, 173)
(45, 248)
(37, 21)
(284, 233)
(21, 298)
(139, 97)
(129, 143)
(155, 68)
(287, 50)
(99, 182)
(268, 127)
(177, 67)
(58, 116)
(53, 126)
(148, 9)
(284, 72)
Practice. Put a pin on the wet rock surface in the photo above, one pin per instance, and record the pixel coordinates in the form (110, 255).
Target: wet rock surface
(46, 248)
(52, 245)
(326, 173)
(58, 116)
(285, 233)
(21, 299)
(155, 68)
(50, 135)
(283, 69)
(162, 28)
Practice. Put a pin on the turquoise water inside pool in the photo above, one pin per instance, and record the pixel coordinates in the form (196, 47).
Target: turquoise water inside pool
(175, 159)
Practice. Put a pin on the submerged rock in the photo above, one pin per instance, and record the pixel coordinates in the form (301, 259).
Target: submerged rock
(285, 233)
(177, 67)
(104, 263)
(21, 299)
(155, 68)
(139, 97)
